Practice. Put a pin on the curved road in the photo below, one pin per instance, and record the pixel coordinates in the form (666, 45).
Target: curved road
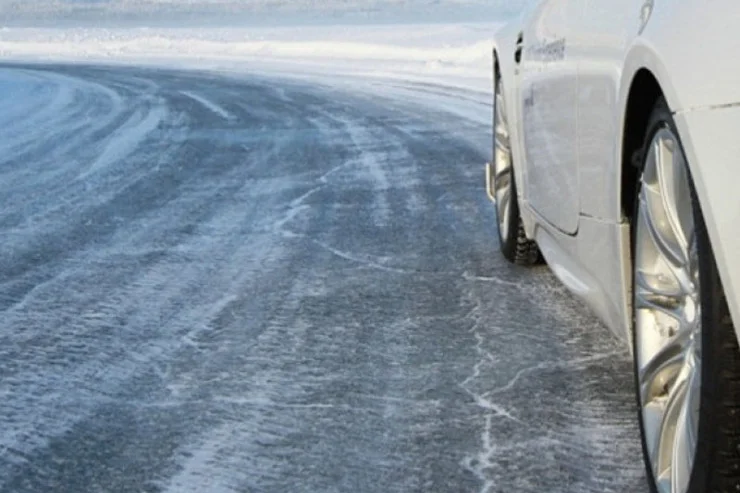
(223, 284)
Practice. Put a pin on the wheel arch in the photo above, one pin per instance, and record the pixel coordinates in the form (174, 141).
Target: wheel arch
(644, 92)
(644, 79)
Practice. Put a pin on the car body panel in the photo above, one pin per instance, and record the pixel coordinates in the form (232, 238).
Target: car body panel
(604, 31)
(548, 124)
(578, 262)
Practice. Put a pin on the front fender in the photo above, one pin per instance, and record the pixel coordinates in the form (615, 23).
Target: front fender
(696, 64)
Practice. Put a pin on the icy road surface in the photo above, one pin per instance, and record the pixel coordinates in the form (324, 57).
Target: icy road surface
(215, 284)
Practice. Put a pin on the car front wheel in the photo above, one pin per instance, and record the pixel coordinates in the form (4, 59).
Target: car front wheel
(687, 361)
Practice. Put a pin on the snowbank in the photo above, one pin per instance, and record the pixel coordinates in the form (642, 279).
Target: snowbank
(248, 12)
(457, 54)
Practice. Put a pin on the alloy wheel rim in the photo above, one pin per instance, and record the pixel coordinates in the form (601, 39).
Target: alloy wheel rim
(668, 314)
(502, 163)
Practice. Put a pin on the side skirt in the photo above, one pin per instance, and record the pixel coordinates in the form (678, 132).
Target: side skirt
(595, 266)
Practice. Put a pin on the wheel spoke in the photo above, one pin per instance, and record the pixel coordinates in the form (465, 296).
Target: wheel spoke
(502, 136)
(503, 194)
(665, 450)
(504, 223)
(501, 128)
(657, 284)
(671, 258)
(502, 178)
(692, 269)
(503, 203)
(675, 192)
(500, 108)
(661, 371)
(666, 199)
(668, 305)
(684, 441)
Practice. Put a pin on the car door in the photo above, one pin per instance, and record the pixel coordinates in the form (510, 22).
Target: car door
(605, 32)
(549, 122)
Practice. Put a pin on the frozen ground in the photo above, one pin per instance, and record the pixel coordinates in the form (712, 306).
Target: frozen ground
(278, 273)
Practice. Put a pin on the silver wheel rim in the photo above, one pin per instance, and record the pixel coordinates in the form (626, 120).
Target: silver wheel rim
(502, 163)
(668, 314)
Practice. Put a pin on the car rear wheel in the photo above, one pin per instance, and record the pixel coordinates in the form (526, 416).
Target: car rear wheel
(515, 245)
(687, 361)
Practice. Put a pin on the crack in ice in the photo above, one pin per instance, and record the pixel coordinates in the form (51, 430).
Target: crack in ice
(552, 365)
(364, 262)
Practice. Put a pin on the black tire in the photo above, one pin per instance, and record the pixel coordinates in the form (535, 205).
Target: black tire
(717, 459)
(516, 247)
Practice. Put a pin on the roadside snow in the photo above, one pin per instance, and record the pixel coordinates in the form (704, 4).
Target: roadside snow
(456, 55)
(160, 13)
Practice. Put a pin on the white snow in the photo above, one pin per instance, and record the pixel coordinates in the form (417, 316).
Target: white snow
(249, 12)
(456, 55)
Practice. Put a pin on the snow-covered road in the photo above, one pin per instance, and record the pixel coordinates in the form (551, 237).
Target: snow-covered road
(214, 283)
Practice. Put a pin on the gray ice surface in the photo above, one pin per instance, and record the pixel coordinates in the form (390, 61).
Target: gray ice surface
(213, 284)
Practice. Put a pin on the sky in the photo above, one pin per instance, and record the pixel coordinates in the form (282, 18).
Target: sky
(250, 12)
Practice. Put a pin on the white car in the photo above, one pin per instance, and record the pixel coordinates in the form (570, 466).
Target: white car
(617, 159)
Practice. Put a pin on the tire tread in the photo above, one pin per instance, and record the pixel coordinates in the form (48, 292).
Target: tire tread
(725, 476)
(526, 251)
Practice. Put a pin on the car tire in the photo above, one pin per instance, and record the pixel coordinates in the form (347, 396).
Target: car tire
(516, 247)
(709, 373)
(513, 241)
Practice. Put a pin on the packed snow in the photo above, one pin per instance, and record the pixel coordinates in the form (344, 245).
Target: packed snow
(457, 55)
(249, 12)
